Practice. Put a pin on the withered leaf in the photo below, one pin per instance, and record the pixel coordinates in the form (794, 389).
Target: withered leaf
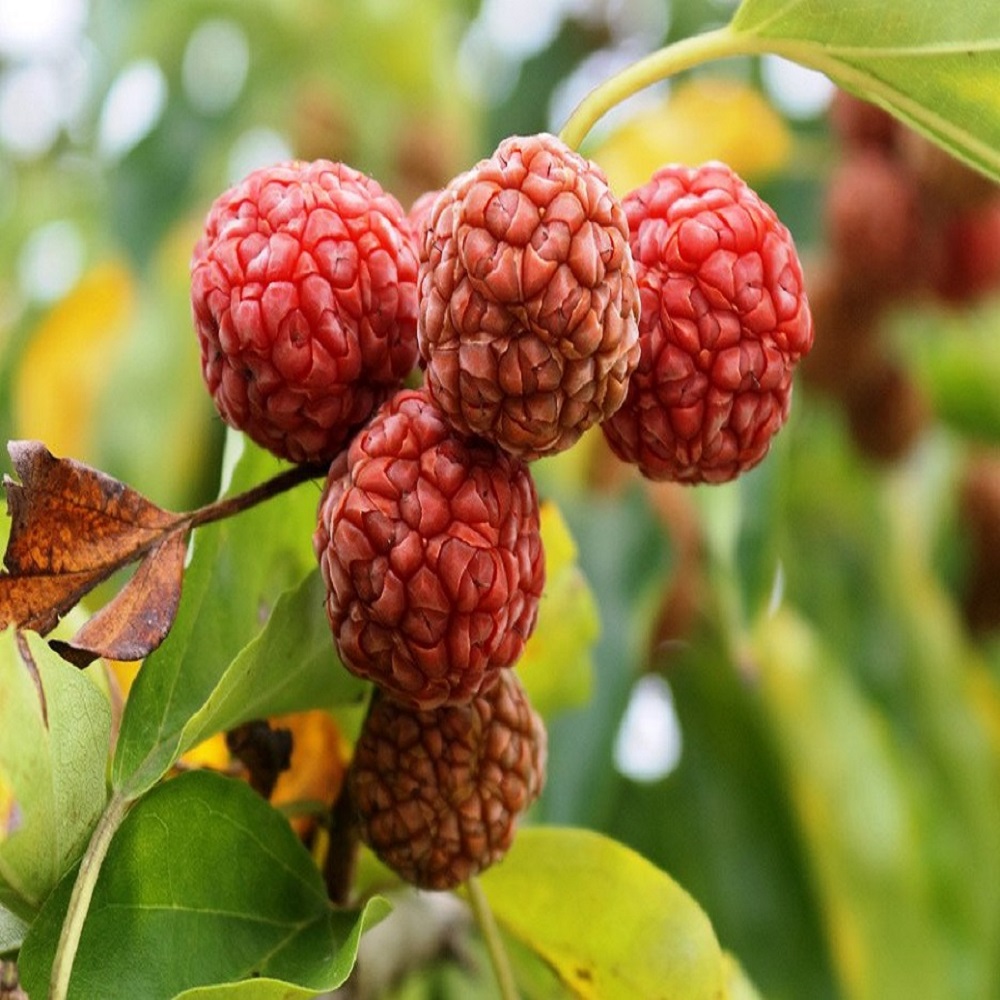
(72, 527)
(69, 518)
(137, 620)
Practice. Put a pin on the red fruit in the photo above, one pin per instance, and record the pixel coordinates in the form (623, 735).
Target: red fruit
(439, 793)
(303, 288)
(419, 217)
(724, 320)
(528, 304)
(431, 553)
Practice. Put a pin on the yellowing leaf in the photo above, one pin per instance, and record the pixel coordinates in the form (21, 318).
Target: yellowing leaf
(9, 811)
(319, 760)
(212, 753)
(857, 809)
(612, 925)
(700, 120)
(556, 667)
(65, 367)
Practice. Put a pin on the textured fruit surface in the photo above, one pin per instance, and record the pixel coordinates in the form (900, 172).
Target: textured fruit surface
(303, 289)
(724, 320)
(528, 304)
(432, 556)
(438, 793)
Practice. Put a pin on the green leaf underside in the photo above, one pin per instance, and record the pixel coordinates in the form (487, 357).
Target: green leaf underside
(236, 572)
(290, 666)
(610, 923)
(12, 931)
(204, 884)
(54, 756)
(933, 65)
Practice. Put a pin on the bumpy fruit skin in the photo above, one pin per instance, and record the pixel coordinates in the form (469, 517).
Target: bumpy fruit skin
(432, 556)
(724, 321)
(528, 304)
(438, 793)
(303, 290)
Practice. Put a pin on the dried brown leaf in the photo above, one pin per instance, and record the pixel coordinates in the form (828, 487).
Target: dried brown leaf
(137, 620)
(69, 518)
(72, 527)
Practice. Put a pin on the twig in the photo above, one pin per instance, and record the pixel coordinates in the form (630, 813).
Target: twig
(494, 943)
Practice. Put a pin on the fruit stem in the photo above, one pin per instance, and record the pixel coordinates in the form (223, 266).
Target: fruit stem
(83, 891)
(494, 943)
(229, 506)
(671, 59)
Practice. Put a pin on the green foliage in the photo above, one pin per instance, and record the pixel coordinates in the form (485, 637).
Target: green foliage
(236, 574)
(204, 870)
(932, 65)
(55, 729)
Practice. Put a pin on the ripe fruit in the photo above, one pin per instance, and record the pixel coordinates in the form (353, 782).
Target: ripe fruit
(528, 304)
(724, 322)
(438, 793)
(303, 289)
(431, 553)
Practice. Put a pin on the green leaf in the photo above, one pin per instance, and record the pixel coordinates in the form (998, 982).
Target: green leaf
(955, 359)
(933, 65)
(611, 924)
(290, 666)
(55, 731)
(857, 808)
(204, 884)
(556, 666)
(738, 986)
(237, 571)
(12, 931)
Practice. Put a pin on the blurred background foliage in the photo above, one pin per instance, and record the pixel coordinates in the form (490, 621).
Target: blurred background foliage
(793, 703)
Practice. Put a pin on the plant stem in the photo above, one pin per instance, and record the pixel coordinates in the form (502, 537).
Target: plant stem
(83, 891)
(681, 55)
(229, 506)
(494, 943)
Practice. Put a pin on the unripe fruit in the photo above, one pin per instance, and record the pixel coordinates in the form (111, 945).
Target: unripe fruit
(303, 289)
(432, 556)
(438, 793)
(528, 304)
(724, 320)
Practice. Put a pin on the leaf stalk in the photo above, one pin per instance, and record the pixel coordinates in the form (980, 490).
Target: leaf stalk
(83, 891)
(499, 958)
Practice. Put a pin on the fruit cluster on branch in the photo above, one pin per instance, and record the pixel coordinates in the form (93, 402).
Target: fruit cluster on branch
(430, 356)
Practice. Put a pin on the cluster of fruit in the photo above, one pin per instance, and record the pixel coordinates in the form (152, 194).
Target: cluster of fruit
(428, 358)
(905, 222)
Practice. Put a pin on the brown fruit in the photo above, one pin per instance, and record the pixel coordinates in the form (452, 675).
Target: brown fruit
(432, 555)
(528, 303)
(439, 793)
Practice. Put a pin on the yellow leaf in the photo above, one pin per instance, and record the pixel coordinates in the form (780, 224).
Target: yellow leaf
(318, 764)
(9, 812)
(67, 363)
(612, 924)
(700, 120)
(555, 667)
